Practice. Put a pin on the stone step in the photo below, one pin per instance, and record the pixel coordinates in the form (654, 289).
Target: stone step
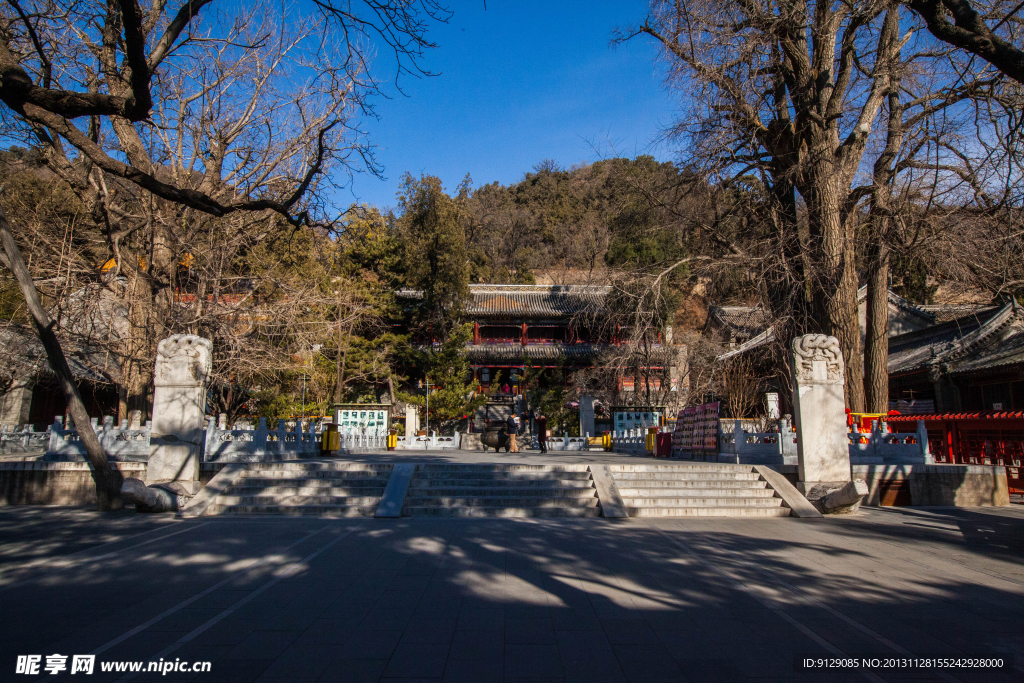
(503, 491)
(702, 501)
(501, 511)
(300, 489)
(502, 483)
(501, 476)
(744, 511)
(291, 501)
(498, 501)
(495, 469)
(684, 476)
(479, 479)
(659, 484)
(709, 467)
(295, 510)
(314, 480)
(314, 466)
(713, 491)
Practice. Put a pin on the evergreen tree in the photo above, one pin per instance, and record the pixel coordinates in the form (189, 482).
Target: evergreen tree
(453, 392)
(435, 247)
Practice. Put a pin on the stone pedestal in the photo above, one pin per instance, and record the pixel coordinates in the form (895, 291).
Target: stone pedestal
(182, 370)
(587, 416)
(818, 398)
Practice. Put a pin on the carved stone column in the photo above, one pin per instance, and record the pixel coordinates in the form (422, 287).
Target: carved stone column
(183, 363)
(819, 401)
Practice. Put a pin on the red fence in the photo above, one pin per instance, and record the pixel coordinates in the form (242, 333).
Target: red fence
(988, 438)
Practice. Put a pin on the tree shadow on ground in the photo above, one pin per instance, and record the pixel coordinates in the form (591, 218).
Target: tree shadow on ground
(588, 600)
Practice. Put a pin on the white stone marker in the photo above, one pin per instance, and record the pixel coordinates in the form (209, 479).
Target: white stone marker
(819, 400)
(587, 417)
(183, 363)
(412, 423)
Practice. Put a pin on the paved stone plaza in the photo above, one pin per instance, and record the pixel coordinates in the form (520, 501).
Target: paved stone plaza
(588, 600)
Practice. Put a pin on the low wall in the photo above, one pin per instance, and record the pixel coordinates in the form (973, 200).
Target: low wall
(960, 485)
(924, 485)
(54, 483)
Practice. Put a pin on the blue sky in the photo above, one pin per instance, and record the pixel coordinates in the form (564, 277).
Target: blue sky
(520, 82)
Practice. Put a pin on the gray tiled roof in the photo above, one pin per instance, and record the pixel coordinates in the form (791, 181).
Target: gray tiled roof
(927, 317)
(529, 301)
(741, 321)
(549, 301)
(1003, 346)
(956, 343)
(945, 312)
(22, 353)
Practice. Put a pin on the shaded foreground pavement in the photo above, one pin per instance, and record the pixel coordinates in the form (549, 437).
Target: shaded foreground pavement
(539, 600)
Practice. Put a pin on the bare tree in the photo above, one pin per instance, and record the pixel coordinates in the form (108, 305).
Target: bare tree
(959, 23)
(166, 124)
(782, 100)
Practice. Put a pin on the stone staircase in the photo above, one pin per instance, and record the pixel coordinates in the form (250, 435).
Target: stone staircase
(322, 489)
(502, 491)
(707, 490)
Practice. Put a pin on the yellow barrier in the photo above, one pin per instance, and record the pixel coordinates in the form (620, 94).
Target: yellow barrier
(331, 440)
(649, 439)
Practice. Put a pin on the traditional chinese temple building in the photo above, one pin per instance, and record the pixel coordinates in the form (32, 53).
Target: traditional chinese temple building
(539, 326)
(971, 363)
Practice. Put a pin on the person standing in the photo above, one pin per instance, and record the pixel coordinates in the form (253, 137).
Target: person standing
(512, 427)
(542, 432)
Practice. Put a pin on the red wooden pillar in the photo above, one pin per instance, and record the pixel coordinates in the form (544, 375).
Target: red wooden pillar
(476, 334)
(524, 334)
(953, 438)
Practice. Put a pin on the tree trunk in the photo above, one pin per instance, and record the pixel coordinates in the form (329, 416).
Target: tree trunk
(343, 357)
(833, 276)
(108, 479)
(876, 338)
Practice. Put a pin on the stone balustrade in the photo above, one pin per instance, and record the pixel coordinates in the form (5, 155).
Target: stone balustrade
(757, 448)
(121, 443)
(22, 439)
(426, 443)
(260, 444)
(632, 441)
(882, 447)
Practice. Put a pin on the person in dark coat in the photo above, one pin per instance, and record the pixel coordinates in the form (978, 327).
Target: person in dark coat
(542, 432)
(512, 426)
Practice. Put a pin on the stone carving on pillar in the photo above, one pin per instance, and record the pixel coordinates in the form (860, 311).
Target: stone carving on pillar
(823, 443)
(183, 363)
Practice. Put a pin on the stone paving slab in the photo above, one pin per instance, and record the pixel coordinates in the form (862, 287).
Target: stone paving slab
(631, 600)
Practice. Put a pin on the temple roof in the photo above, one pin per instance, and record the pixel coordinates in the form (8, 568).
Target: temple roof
(944, 313)
(23, 357)
(897, 302)
(550, 301)
(982, 339)
(529, 301)
(740, 321)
